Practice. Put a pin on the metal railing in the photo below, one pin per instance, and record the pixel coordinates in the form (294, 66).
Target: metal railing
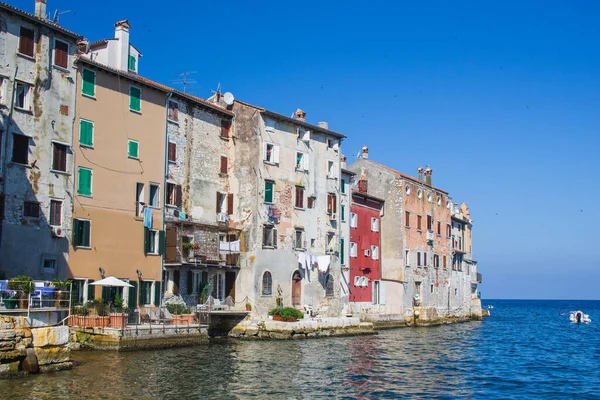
(32, 296)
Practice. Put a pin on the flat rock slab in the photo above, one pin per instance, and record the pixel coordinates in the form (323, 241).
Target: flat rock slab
(50, 336)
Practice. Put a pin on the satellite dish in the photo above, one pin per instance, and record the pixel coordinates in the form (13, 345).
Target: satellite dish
(228, 98)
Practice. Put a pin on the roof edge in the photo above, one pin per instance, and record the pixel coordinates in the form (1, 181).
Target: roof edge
(42, 21)
(303, 123)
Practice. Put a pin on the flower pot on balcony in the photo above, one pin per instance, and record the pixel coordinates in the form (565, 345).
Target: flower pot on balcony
(183, 319)
(118, 320)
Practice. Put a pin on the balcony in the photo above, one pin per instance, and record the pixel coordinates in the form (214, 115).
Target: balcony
(430, 235)
(476, 278)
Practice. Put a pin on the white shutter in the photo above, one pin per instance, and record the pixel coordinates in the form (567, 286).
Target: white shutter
(381, 292)
(357, 281)
(336, 170)
(352, 249)
(306, 137)
(276, 154)
(265, 152)
(305, 162)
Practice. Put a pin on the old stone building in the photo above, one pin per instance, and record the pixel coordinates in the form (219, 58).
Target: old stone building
(416, 250)
(345, 204)
(37, 107)
(203, 241)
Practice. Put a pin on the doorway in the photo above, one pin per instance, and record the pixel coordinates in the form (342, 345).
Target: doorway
(296, 289)
(230, 284)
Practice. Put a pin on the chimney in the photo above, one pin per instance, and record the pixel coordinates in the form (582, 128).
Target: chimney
(420, 170)
(362, 182)
(300, 115)
(122, 34)
(324, 125)
(343, 161)
(40, 8)
(428, 173)
(365, 152)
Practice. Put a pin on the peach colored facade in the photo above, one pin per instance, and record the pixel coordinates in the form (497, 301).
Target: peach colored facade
(116, 239)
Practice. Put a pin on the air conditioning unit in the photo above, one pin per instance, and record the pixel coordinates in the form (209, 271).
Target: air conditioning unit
(58, 231)
(222, 217)
(430, 235)
(333, 217)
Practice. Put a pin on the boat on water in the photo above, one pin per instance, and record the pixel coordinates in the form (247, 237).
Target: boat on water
(578, 317)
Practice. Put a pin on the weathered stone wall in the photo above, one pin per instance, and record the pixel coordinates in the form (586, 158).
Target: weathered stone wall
(25, 350)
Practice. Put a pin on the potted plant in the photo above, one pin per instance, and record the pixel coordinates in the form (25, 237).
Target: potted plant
(118, 319)
(181, 314)
(61, 296)
(10, 299)
(23, 285)
(203, 293)
(279, 301)
(286, 314)
(248, 306)
(187, 247)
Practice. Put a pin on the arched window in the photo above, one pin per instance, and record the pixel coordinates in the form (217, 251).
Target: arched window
(267, 284)
(329, 286)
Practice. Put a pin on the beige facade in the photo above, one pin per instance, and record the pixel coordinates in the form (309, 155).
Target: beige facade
(123, 184)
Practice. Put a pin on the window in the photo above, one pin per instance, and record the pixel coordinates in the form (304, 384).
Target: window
(139, 199)
(436, 261)
(418, 258)
(173, 112)
(429, 222)
(353, 250)
(425, 259)
(343, 183)
(431, 289)
(448, 230)
(299, 197)
(374, 224)
(59, 157)
(173, 194)
(145, 293)
(61, 54)
(81, 232)
(151, 241)
(131, 67)
(342, 252)
(135, 99)
(86, 133)
(330, 242)
(329, 286)
(332, 170)
(310, 202)
(172, 152)
(269, 236)
(55, 213)
(353, 220)
(49, 264)
(299, 242)
(31, 209)
(407, 219)
(444, 262)
(301, 161)
(420, 194)
(439, 228)
(375, 252)
(23, 96)
(419, 218)
(84, 181)
(368, 253)
(221, 203)
(357, 281)
(267, 284)
(407, 190)
(26, 41)
(331, 203)
(223, 169)
(133, 149)
(269, 191)
(407, 257)
(225, 128)
(153, 201)
(271, 155)
(343, 213)
(88, 86)
(20, 153)
(330, 143)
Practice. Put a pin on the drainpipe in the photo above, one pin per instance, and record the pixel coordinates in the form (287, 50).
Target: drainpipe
(166, 173)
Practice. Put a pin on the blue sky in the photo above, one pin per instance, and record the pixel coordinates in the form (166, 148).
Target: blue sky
(501, 98)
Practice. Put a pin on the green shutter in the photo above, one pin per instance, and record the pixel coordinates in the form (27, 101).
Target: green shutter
(135, 95)
(161, 243)
(86, 133)
(88, 86)
(268, 192)
(91, 290)
(133, 149)
(146, 240)
(157, 293)
(76, 235)
(131, 63)
(85, 233)
(131, 301)
(343, 213)
(84, 181)
(105, 294)
(342, 252)
(343, 186)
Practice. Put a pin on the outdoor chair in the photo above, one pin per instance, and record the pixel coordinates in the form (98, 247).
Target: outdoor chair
(165, 316)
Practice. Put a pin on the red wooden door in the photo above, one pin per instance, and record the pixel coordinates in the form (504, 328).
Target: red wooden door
(296, 289)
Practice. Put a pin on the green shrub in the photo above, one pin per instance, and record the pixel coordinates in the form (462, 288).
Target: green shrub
(286, 312)
(61, 285)
(21, 282)
(178, 309)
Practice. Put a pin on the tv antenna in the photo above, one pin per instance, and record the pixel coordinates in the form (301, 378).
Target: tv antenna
(218, 91)
(57, 15)
(184, 80)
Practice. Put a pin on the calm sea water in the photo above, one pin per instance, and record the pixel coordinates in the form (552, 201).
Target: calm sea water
(525, 350)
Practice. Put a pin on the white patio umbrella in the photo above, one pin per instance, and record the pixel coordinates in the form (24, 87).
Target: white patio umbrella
(111, 281)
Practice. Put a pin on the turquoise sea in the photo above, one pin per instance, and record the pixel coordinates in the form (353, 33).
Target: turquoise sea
(525, 350)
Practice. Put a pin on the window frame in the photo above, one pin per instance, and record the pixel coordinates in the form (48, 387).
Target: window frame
(302, 239)
(353, 220)
(175, 113)
(374, 224)
(51, 214)
(26, 107)
(374, 252)
(353, 250)
(32, 55)
(12, 156)
(66, 67)
(66, 163)
(272, 237)
(83, 93)
(150, 186)
(90, 194)
(329, 286)
(153, 242)
(29, 203)
(81, 121)
(131, 97)
(299, 197)
(263, 287)
(89, 222)
(172, 150)
(129, 143)
(272, 183)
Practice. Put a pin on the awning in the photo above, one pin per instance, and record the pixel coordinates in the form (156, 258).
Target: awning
(111, 281)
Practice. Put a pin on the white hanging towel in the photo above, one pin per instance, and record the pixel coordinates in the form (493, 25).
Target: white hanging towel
(224, 247)
(229, 247)
(234, 246)
(324, 262)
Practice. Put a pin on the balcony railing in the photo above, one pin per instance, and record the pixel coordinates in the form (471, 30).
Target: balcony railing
(32, 296)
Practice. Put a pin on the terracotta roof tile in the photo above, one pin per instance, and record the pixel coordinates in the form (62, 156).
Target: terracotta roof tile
(407, 176)
(42, 21)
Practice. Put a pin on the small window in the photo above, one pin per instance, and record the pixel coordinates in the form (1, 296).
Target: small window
(173, 114)
(439, 201)
(448, 230)
(139, 199)
(343, 213)
(418, 258)
(55, 213)
(310, 202)
(439, 228)
(271, 155)
(225, 128)
(88, 86)
(61, 54)
(86, 133)
(81, 232)
(269, 236)
(145, 293)
(151, 241)
(343, 183)
(429, 197)
(407, 257)
(342, 252)
(353, 250)
(31, 209)
(329, 286)
(172, 152)
(299, 197)
(269, 191)
(299, 161)
(59, 157)
(332, 171)
(330, 242)
(84, 181)
(20, 151)
(429, 222)
(375, 252)
(444, 262)
(353, 220)
(419, 219)
(49, 264)
(331, 203)
(330, 143)
(374, 224)
(153, 201)
(222, 203)
(133, 149)
(131, 63)
(425, 259)
(267, 284)
(407, 219)
(26, 41)
(135, 99)
(431, 289)
(23, 97)
(173, 194)
(3, 90)
(357, 281)
(299, 242)
(407, 190)
(223, 167)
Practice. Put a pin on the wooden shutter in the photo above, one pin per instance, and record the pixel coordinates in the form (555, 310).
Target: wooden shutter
(133, 149)
(146, 240)
(26, 44)
(309, 202)
(276, 154)
(299, 197)
(419, 222)
(131, 65)
(91, 290)
(225, 128)
(135, 98)
(329, 211)
(178, 196)
(61, 54)
(84, 183)
(76, 235)
(172, 152)
(333, 203)
(218, 203)
(86, 133)
(224, 165)
(274, 232)
(343, 213)
(157, 293)
(230, 203)
(343, 186)
(342, 251)
(59, 158)
(268, 192)
(161, 243)
(132, 298)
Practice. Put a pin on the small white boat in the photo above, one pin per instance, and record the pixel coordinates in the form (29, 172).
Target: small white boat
(579, 317)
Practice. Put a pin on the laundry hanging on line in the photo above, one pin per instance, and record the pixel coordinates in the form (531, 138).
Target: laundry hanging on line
(229, 247)
(148, 217)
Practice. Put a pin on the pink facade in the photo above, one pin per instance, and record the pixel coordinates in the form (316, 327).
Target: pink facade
(365, 246)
